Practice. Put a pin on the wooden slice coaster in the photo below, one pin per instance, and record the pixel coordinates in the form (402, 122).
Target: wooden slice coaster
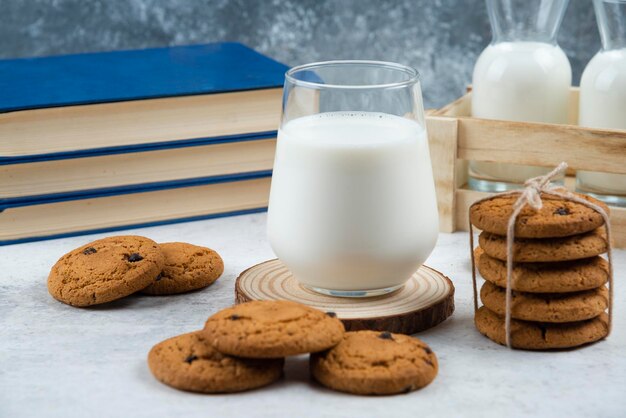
(425, 300)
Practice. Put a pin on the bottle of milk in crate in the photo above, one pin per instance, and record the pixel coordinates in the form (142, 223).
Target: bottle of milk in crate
(523, 75)
(602, 102)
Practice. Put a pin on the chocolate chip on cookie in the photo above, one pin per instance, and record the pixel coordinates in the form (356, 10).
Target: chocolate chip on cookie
(105, 270)
(562, 211)
(134, 257)
(267, 329)
(187, 267)
(188, 362)
(374, 363)
(89, 250)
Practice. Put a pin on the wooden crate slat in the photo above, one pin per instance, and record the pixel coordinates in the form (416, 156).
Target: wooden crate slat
(464, 199)
(460, 107)
(442, 134)
(455, 138)
(542, 144)
(618, 224)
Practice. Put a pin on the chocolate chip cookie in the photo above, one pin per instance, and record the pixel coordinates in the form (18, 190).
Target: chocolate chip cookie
(576, 247)
(557, 217)
(267, 329)
(188, 362)
(547, 307)
(557, 277)
(540, 335)
(105, 270)
(375, 363)
(187, 267)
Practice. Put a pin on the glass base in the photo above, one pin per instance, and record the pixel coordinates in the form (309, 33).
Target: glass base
(606, 198)
(607, 187)
(491, 186)
(354, 293)
(502, 177)
(496, 186)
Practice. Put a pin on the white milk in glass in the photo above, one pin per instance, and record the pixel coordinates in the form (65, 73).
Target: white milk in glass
(519, 81)
(352, 204)
(603, 105)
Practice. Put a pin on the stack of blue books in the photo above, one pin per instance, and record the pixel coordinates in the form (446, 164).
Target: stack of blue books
(105, 141)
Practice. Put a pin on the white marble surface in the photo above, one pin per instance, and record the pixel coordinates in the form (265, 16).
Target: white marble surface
(60, 361)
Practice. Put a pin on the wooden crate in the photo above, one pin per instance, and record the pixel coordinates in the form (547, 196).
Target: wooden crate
(456, 138)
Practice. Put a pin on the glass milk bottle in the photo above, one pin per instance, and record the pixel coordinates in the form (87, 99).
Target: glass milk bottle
(523, 75)
(602, 101)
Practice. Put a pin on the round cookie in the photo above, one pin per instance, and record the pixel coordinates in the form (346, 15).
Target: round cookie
(557, 277)
(268, 329)
(547, 307)
(541, 336)
(105, 270)
(375, 363)
(188, 362)
(187, 267)
(576, 247)
(556, 218)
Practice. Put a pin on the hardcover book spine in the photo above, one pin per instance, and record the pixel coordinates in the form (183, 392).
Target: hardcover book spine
(137, 225)
(94, 152)
(129, 189)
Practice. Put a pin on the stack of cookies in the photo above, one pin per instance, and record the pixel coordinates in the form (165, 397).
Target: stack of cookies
(559, 279)
(243, 347)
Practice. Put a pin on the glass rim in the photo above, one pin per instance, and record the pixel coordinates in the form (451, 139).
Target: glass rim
(412, 73)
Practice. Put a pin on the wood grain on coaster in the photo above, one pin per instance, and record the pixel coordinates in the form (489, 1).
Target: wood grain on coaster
(426, 300)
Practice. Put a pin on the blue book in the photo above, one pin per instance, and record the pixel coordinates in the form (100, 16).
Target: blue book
(107, 141)
(168, 203)
(74, 106)
(91, 176)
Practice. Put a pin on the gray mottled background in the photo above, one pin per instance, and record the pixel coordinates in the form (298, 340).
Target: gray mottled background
(442, 38)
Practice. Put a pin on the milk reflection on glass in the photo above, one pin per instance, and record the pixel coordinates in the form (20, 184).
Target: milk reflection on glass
(352, 205)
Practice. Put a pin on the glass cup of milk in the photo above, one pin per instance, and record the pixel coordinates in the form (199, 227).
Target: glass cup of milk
(352, 209)
(602, 101)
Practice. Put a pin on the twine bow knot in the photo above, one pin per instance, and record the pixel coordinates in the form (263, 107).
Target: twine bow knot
(531, 195)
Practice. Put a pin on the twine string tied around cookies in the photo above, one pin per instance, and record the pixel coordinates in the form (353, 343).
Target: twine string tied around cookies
(531, 195)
